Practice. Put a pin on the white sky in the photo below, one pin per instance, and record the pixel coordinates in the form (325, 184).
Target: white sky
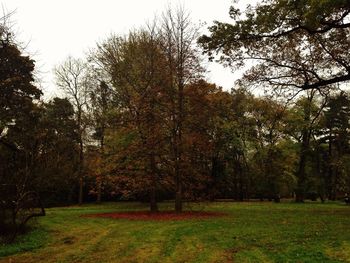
(55, 29)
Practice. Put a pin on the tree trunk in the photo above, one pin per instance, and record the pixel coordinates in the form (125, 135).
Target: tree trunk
(100, 181)
(153, 190)
(330, 168)
(300, 191)
(178, 181)
(153, 200)
(81, 179)
(81, 183)
(178, 194)
(305, 145)
(178, 171)
(99, 191)
(240, 179)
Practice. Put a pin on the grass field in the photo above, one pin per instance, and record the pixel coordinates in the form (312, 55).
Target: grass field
(251, 232)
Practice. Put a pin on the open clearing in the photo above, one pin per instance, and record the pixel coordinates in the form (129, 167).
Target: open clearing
(248, 232)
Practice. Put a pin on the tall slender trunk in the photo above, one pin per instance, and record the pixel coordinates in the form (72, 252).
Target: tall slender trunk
(81, 158)
(99, 191)
(334, 184)
(153, 200)
(178, 172)
(304, 152)
(301, 175)
(152, 139)
(178, 182)
(240, 178)
(81, 184)
(330, 167)
(81, 179)
(100, 181)
(103, 89)
(153, 190)
(178, 194)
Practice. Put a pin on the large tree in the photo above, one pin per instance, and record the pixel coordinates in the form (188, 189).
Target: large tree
(18, 120)
(71, 78)
(290, 46)
(296, 44)
(135, 64)
(101, 95)
(178, 36)
(336, 134)
(58, 164)
(17, 89)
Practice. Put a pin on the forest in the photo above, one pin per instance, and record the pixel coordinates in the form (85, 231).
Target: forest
(138, 120)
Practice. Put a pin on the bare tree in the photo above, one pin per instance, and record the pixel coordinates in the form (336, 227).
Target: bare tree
(100, 97)
(179, 37)
(71, 78)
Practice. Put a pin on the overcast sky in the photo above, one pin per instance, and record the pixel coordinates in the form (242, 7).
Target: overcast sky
(55, 29)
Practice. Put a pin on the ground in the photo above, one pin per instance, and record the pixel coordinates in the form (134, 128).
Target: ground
(248, 232)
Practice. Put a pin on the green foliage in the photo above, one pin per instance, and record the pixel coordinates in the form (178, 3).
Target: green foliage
(335, 135)
(17, 90)
(17, 111)
(295, 44)
(56, 169)
(19, 124)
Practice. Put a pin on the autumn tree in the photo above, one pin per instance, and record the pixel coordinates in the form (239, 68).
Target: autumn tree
(71, 78)
(178, 36)
(100, 103)
(136, 65)
(197, 144)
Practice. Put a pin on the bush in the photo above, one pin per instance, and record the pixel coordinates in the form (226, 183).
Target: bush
(16, 209)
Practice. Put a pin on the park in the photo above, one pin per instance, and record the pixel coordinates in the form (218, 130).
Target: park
(176, 135)
(246, 232)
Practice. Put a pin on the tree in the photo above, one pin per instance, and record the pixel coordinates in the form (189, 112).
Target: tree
(337, 124)
(18, 121)
(57, 168)
(295, 44)
(178, 35)
(269, 159)
(197, 143)
(71, 78)
(100, 95)
(230, 130)
(17, 89)
(303, 127)
(136, 65)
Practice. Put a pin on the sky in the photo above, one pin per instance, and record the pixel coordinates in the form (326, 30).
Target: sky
(51, 30)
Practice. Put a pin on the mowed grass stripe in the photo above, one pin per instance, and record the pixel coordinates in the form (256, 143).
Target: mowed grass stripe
(250, 232)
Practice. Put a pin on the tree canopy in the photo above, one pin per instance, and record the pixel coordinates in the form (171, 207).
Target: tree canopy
(294, 44)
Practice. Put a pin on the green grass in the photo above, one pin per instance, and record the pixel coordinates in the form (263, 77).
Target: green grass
(251, 232)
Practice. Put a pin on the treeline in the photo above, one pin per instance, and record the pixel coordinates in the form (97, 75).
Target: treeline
(235, 146)
(138, 121)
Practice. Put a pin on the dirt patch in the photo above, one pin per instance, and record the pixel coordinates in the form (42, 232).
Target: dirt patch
(159, 216)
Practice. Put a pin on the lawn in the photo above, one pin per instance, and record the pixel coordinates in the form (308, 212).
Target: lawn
(250, 232)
